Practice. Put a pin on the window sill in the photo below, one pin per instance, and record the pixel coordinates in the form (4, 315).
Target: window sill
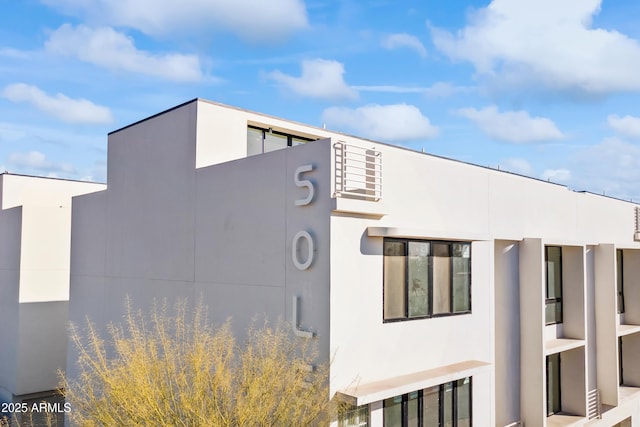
(434, 316)
(559, 345)
(561, 420)
(628, 393)
(627, 329)
(553, 323)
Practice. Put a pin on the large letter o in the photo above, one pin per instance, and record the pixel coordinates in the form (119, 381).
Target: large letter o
(295, 249)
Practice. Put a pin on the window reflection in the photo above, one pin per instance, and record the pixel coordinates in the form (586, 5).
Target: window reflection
(426, 278)
(261, 140)
(447, 404)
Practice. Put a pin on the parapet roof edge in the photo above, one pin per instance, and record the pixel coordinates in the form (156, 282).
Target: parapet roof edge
(54, 178)
(400, 147)
(591, 193)
(154, 116)
(367, 139)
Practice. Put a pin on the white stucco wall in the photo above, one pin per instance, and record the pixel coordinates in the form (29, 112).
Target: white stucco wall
(186, 215)
(507, 332)
(10, 228)
(41, 346)
(35, 222)
(23, 190)
(246, 219)
(220, 234)
(222, 131)
(439, 199)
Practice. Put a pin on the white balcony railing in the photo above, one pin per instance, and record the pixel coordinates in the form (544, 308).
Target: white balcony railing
(358, 172)
(594, 406)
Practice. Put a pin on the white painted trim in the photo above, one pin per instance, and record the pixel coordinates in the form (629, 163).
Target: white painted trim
(424, 233)
(361, 394)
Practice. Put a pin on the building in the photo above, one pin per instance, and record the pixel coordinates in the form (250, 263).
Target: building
(444, 291)
(35, 225)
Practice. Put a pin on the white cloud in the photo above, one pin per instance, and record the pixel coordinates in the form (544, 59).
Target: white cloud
(66, 136)
(438, 89)
(320, 78)
(390, 89)
(98, 173)
(556, 175)
(254, 20)
(35, 160)
(627, 126)
(445, 89)
(517, 165)
(59, 106)
(545, 42)
(397, 122)
(394, 41)
(512, 126)
(108, 48)
(10, 132)
(14, 53)
(612, 167)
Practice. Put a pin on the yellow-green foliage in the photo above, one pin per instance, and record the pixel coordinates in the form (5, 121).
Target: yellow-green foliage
(28, 419)
(173, 369)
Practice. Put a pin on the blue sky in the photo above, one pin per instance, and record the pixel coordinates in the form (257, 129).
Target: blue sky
(545, 88)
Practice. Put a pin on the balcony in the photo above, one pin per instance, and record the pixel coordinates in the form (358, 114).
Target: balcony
(357, 179)
(358, 172)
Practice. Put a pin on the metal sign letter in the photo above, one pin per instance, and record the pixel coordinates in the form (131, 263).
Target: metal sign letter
(304, 183)
(302, 265)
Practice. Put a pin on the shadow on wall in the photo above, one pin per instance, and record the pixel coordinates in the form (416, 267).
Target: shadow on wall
(369, 246)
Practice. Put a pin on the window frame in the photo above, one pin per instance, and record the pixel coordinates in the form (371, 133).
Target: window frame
(620, 365)
(290, 137)
(553, 411)
(404, 409)
(554, 300)
(620, 281)
(430, 282)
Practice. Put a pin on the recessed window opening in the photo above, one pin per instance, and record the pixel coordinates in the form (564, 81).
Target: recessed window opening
(425, 279)
(620, 359)
(553, 292)
(554, 402)
(620, 280)
(263, 140)
(447, 404)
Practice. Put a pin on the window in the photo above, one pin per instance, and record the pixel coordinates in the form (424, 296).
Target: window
(264, 140)
(554, 403)
(426, 278)
(553, 306)
(354, 416)
(620, 358)
(620, 280)
(443, 405)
